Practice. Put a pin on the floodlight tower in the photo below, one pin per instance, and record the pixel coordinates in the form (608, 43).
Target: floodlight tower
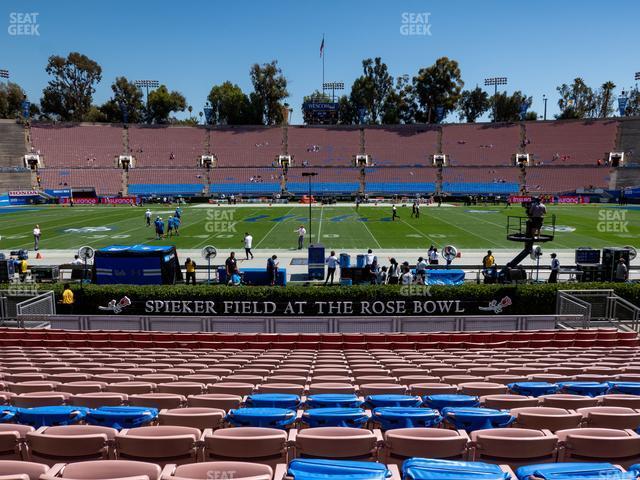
(495, 81)
(147, 84)
(333, 86)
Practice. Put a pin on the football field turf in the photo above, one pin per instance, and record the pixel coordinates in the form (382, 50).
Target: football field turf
(475, 227)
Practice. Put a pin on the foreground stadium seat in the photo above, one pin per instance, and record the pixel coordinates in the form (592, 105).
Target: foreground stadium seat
(12, 438)
(98, 399)
(405, 417)
(196, 417)
(576, 471)
(620, 400)
(508, 401)
(336, 443)
(267, 446)
(513, 446)
(161, 444)
(403, 443)
(610, 417)
(306, 469)
(213, 470)
(567, 401)
(157, 400)
(223, 401)
(429, 468)
(70, 443)
(594, 444)
(16, 469)
(474, 418)
(104, 470)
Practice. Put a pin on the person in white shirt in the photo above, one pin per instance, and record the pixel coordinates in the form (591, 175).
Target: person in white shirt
(248, 244)
(394, 213)
(555, 268)
(421, 270)
(147, 216)
(369, 257)
(406, 278)
(332, 264)
(301, 231)
(433, 256)
(36, 237)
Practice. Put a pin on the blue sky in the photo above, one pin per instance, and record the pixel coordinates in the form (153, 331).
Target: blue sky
(194, 44)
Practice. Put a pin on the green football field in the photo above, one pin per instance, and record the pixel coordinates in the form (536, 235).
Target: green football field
(340, 227)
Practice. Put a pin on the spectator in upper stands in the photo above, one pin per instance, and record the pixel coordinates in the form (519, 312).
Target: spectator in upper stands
(332, 264)
(555, 268)
(622, 271)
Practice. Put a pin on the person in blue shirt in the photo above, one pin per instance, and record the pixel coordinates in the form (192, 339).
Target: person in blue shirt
(157, 223)
(176, 226)
(178, 212)
(160, 228)
(170, 226)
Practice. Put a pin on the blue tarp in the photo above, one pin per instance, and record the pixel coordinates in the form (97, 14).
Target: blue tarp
(445, 277)
(406, 417)
(435, 469)
(137, 265)
(121, 417)
(335, 417)
(317, 469)
(472, 418)
(261, 417)
(590, 389)
(7, 414)
(50, 416)
(575, 471)
(630, 388)
(534, 389)
(334, 400)
(273, 400)
(451, 400)
(375, 401)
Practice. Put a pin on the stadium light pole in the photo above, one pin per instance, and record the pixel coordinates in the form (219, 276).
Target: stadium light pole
(544, 98)
(309, 175)
(333, 86)
(5, 74)
(147, 84)
(495, 81)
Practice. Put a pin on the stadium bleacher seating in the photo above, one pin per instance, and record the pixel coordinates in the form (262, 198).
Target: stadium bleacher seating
(480, 144)
(187, 403)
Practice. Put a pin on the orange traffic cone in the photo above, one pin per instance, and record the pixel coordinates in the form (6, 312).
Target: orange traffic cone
(38, 256)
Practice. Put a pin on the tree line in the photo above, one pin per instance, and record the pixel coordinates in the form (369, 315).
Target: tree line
(376, 97)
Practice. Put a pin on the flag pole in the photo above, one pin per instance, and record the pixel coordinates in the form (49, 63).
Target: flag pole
(323, 63)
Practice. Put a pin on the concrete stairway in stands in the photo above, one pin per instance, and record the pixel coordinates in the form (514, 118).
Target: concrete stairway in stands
(12, 148)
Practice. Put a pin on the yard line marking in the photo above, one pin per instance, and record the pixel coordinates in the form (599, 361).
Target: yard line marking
(367, 228)
(275, 224)
(417, 230)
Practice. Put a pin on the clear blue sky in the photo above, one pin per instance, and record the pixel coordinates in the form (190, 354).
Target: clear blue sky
(194, 44)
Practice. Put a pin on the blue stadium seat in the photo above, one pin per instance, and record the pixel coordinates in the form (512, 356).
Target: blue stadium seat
(574, 471)
(473, 418)
(335, 417)
(534, 389)
(7, 414)
(261, 417)
(50, 416)
(441, 401)
(316, 469)
(406, 417)
(273, 400)
(389, 400)
(121, 417)
(630, 388)
(165, 189)
(590, 389)
(333, 400)
(435, 469)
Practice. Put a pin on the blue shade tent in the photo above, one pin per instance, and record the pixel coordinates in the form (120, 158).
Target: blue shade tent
(629, 388)
(121, 417)
(50, 416)
(375, 401)
(472, 419)
(574, 471)
(261, 417)
(534, 389)
(451, 400)
(273, 400)
(317, 469)
(406, 417)
(590, 389)
(434, 469)
(136, 265)
(335, 417)
(334, 400)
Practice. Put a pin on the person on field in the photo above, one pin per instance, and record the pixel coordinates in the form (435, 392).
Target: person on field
(248, 244)
(176, 226)
(36, 237)
(147, 216)
(394, 213)
(301, 231)
(170, 226)
(272, 269)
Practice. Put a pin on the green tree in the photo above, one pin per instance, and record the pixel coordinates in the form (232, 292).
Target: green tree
(399, 106)
(576, 100)
(95, 115)
(11, 98)
(633, 104)
(437, 87)
(604, 100)
(229, 105)
(347, 112)
(473, 104)
(372, 88)
(127, 97)
(162, 102)
(270, 88)
(507, 108)
(69, 93)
